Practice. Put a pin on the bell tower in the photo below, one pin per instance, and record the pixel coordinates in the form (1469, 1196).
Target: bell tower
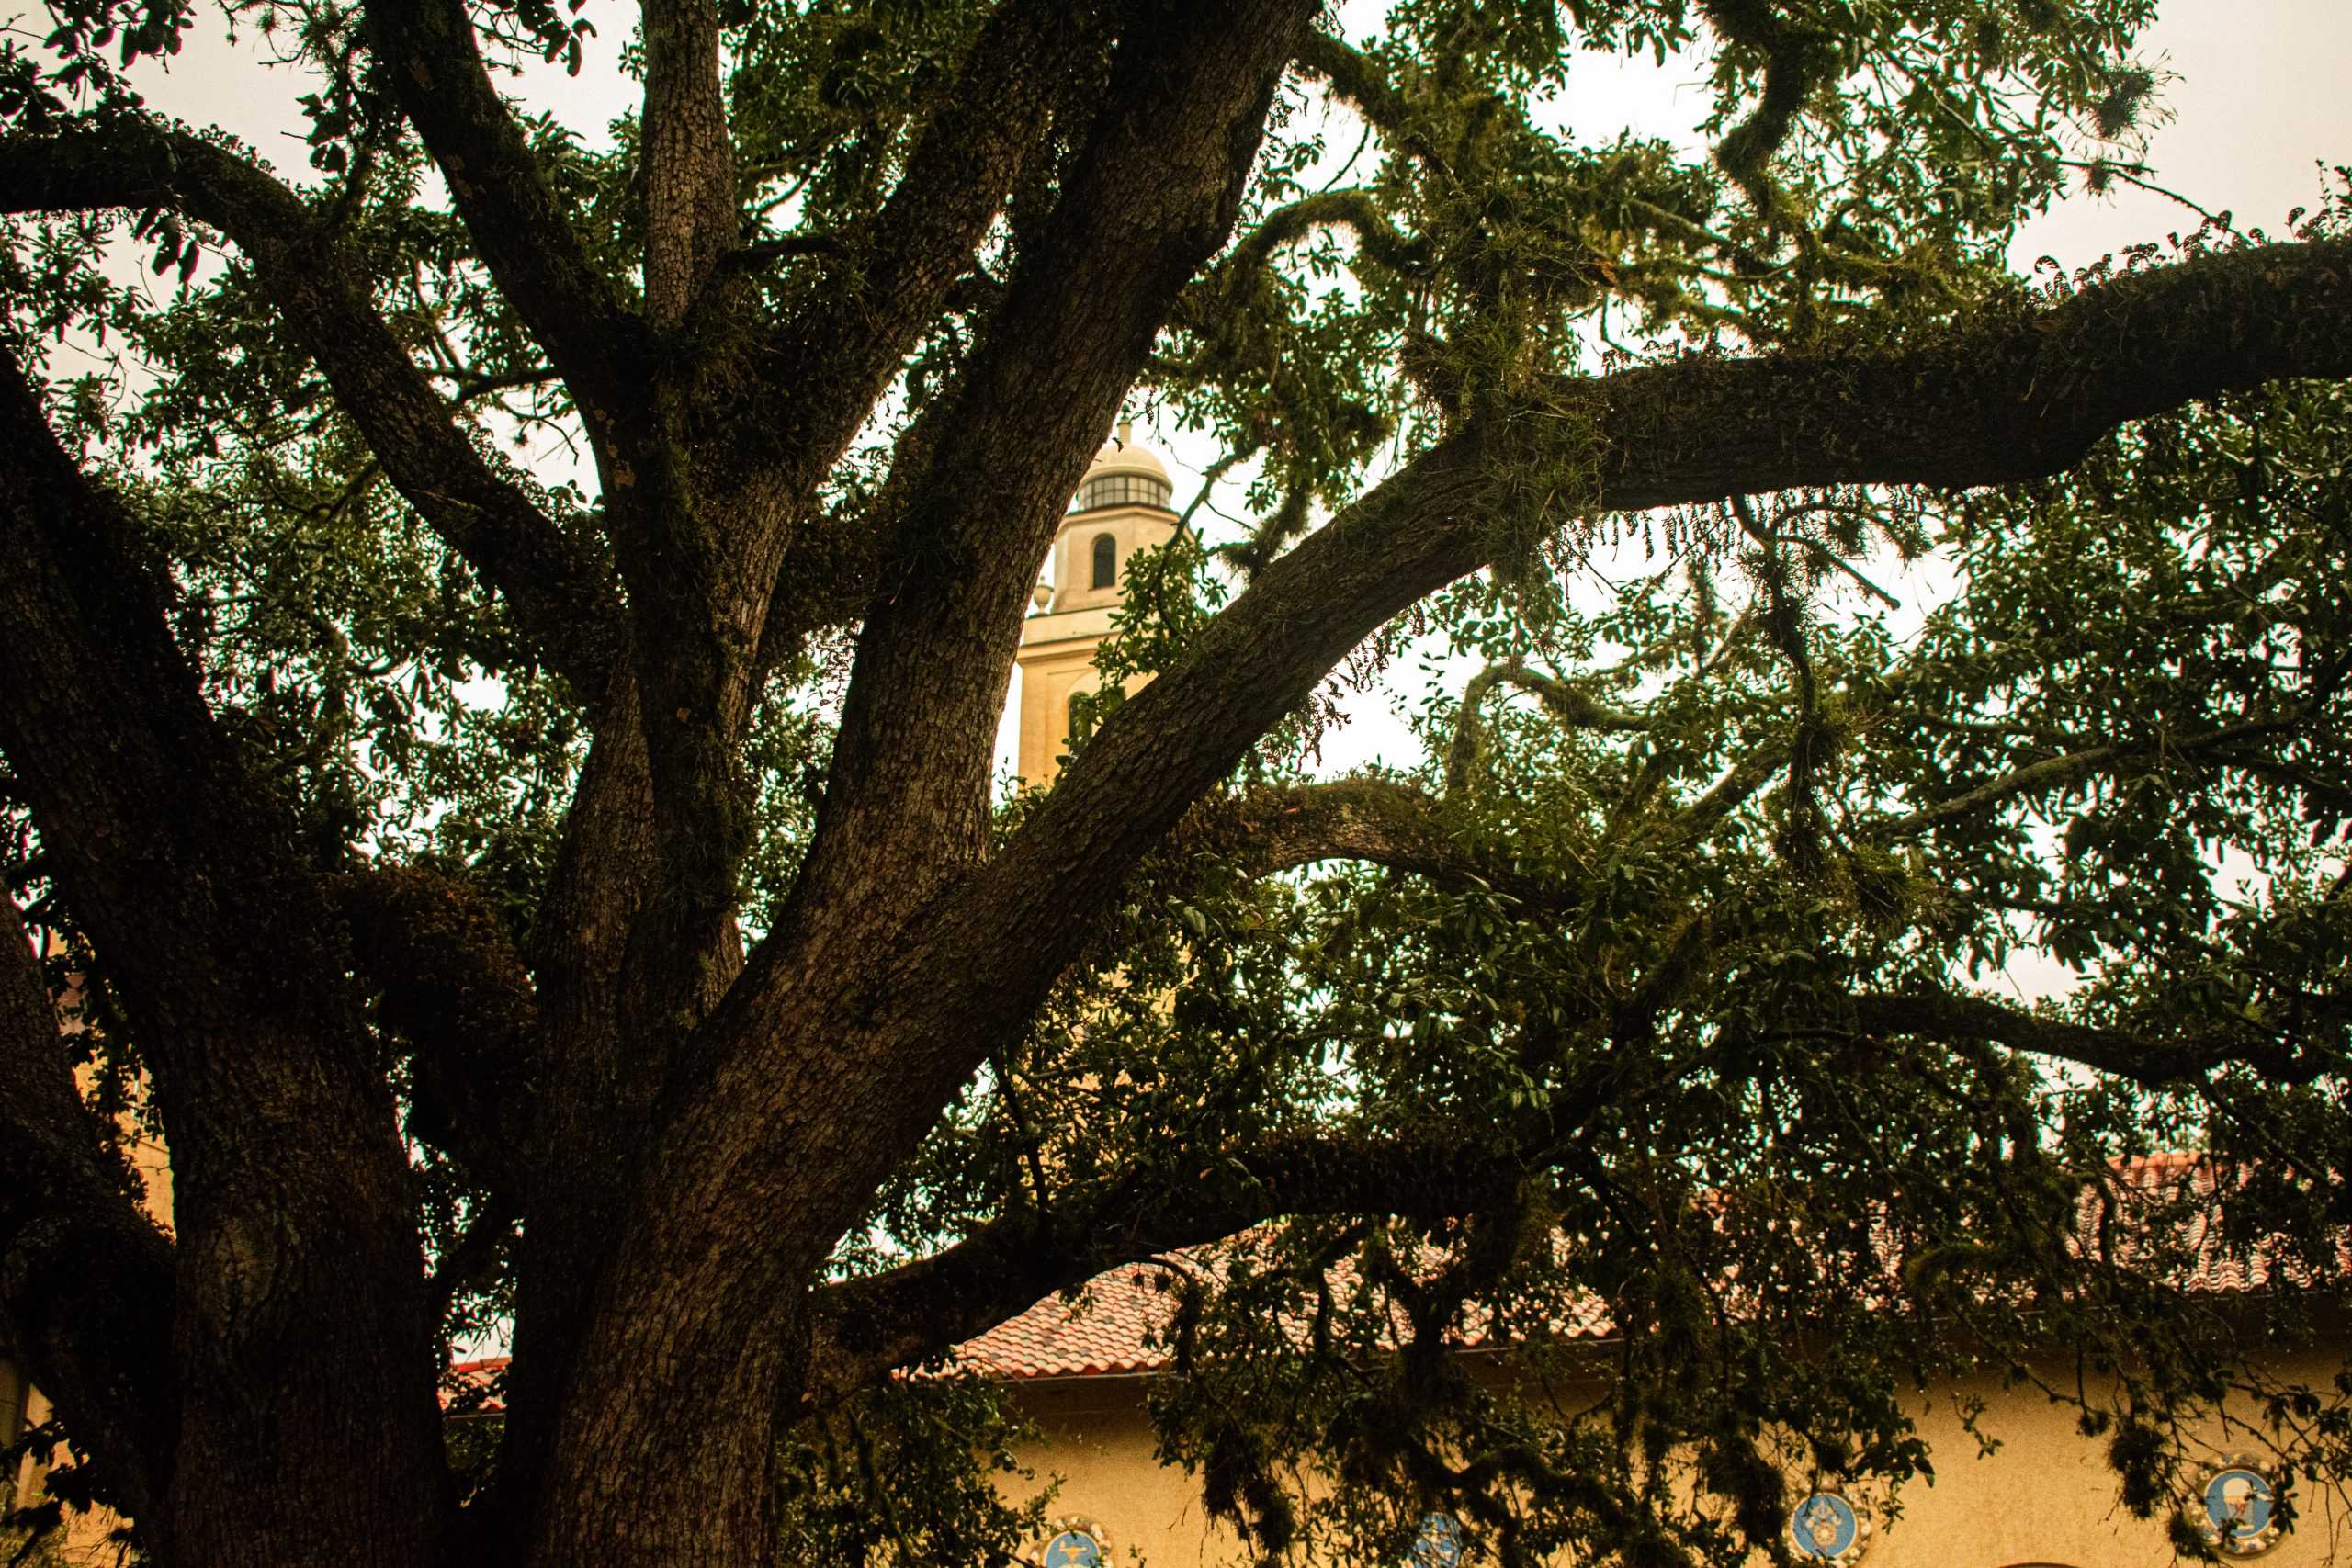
(1121, 508)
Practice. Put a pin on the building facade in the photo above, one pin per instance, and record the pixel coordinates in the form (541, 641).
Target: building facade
(1120, 509)
(1081, 1369)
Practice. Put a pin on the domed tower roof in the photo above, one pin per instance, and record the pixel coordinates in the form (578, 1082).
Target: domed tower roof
(1123, 473)
(1122, 453)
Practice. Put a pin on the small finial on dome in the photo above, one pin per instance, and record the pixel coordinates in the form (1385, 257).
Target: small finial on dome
(1141, 478)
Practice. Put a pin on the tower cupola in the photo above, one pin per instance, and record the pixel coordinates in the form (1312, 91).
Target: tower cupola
(1123, 473)
(1121, 509)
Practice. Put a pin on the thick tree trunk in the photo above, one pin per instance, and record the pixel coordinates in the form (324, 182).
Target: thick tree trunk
(309, 1430)
(593, 1093)
(308, 1426)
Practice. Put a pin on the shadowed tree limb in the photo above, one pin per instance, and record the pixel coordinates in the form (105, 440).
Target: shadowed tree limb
(1354, 211)
(2074, 767)
(2014, 398)
(870, 1326)
(1796, 61)
(471, 1261)
(1802, 824)
(452, 984)
(288, 1167)
(1264, 831)
(1728, 794)
(559, 591)
(1565, 701)
(1949, 1015)
(981, 485)
(833, 360)
(1356, 81)
(714, 508)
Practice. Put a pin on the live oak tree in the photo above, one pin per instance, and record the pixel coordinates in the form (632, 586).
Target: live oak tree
(581, 904)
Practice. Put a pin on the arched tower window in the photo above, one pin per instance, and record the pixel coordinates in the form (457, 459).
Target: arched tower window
(1106, 561)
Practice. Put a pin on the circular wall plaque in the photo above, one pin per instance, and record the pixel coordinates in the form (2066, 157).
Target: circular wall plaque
(1074, 1543)
(2236, 1509)
(1828, 1527)
(1438, 1544)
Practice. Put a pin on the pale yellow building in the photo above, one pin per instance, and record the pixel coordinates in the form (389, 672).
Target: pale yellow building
(2044, 1498)
(1120, 509)
(87, 1539)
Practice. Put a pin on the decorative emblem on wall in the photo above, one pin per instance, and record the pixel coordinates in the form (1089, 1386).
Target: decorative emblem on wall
(1438, 1544)
(2236, 1508)
(1073, 1542)
(1828, 1526)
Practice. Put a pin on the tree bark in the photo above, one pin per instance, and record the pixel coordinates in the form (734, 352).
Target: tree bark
(794, 1108)
(308, 1429)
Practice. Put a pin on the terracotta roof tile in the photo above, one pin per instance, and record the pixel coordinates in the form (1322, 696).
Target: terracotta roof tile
(1113, 1325)
(472, 1388)
(1109, 1329)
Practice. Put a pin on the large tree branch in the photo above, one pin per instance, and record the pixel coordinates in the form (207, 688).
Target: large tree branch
(509, 206)
(85, 1279)
(559, 590)
(1263, 831)
(1360, 83)
(690, 216)
(986, 478)
(831, 359)
(1352, 209)
(1569, 703)
(1740, 783)
(450, 981)
(1024, 75)
(2074, 767)
(1797, 61)
(702, 548)
(2156, 1062)
(2022, 394)
(869, 1325)
(595, 1081)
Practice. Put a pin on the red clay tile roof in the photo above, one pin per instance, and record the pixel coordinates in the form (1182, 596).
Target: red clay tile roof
(2221, 1268)
(470, 1387)
(1110, 1328)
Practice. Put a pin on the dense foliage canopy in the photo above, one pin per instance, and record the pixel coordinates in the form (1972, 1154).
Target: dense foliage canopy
(502, 635)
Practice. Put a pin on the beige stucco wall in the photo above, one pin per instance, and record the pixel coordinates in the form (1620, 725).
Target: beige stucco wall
(1061, 661)
(1057, 643)
(86, 1541)
(86, 1538)
(1099, 1442)
(2045, 1496)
